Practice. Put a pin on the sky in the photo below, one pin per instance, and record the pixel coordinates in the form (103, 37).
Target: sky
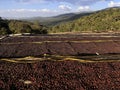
(47, 8)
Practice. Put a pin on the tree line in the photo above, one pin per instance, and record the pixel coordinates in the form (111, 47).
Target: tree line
(17, 26)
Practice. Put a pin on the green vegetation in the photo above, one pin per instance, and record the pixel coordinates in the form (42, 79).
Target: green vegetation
(55, 20)
(4, 29)
(107, 20)
(16, 27)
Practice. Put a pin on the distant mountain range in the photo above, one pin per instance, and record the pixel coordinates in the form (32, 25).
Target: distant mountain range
(54, 20)
(68, 17)
(106, 20)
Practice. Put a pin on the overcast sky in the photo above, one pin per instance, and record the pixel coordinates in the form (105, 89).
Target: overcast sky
(31, 8)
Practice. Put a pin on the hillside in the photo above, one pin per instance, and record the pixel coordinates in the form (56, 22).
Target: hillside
(55, 20)
(106, 20)
(17, 26)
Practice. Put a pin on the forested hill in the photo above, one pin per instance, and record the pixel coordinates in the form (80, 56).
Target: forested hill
(106, 20)
(17, 26)
(55, 20)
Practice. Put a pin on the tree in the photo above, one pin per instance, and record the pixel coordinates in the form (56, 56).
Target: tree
(0, 18)
(3, 31)
(19, 27)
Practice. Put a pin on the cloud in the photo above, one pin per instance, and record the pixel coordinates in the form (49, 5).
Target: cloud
(30, 10)
(73, 2)
(83, 8)
(27, 12)
(29, 1)
(65, 7)
(114, 4)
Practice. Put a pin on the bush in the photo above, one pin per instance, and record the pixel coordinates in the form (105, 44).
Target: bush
(16, 26)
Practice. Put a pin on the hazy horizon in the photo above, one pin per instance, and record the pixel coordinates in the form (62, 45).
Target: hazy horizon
(47, 8)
